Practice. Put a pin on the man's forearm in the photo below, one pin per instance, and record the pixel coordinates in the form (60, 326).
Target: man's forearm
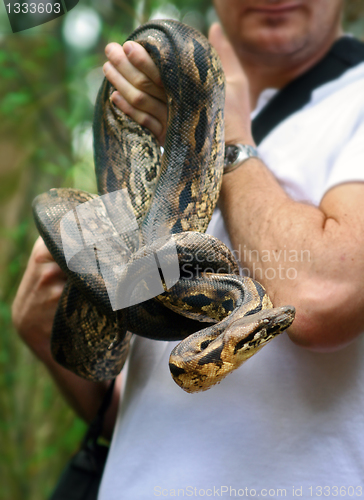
(262, 220)
(299, 253)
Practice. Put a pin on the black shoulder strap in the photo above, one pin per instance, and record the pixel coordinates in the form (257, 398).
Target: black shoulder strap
(344, 54)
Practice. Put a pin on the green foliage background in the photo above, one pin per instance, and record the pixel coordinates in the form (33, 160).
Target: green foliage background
(45, 114)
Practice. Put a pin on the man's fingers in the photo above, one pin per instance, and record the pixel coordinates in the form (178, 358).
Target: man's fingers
(136, 98)
(136, 66)
(139, 90)
(140, 58)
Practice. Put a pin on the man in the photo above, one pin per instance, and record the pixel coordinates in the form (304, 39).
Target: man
(288, 423)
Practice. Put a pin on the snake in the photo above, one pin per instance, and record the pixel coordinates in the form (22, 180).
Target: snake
(154, 203)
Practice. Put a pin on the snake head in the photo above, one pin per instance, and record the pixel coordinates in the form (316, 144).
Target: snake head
(208, 361)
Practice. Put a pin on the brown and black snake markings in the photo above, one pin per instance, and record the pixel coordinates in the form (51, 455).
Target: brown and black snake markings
(222, 319)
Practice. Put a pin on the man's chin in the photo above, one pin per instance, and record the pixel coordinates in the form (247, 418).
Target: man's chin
(277, 43)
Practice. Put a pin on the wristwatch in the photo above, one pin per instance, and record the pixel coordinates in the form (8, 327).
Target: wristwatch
(236, 154)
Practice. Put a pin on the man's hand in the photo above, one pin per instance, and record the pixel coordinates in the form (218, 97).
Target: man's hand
(237, 107)
(36, 301)
(141, 96)
(140, 93)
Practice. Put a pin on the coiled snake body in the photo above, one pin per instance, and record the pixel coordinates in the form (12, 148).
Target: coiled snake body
(221, 318)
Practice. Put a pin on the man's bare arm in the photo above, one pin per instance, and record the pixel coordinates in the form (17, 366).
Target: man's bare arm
(325, 245)
(33, 313)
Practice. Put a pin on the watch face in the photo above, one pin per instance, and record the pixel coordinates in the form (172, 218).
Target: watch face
(231, 154)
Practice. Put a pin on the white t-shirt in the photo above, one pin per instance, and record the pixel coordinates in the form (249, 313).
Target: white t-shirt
(288, 423)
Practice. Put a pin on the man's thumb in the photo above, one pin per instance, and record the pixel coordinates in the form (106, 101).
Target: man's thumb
(218, 40)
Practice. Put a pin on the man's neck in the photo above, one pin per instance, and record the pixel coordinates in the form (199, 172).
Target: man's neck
(276, 73)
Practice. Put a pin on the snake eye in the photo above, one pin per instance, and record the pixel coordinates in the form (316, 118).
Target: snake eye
(205, 343)
(273, 329)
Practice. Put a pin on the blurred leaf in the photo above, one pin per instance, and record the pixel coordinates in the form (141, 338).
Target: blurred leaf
(14, 100)
(8, 73)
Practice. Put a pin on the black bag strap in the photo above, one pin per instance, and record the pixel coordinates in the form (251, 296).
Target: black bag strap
(344, 54)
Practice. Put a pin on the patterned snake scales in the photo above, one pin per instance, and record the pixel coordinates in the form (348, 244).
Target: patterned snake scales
(221, 318)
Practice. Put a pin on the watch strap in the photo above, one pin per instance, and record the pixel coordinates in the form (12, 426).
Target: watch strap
(236, 154)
